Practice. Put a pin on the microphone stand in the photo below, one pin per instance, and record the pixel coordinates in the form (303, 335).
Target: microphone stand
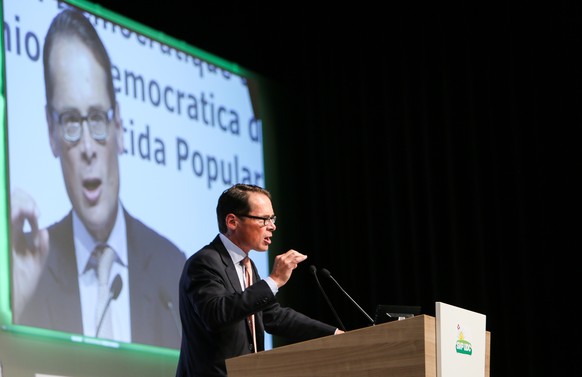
(170, 307)
(328, 274)
(341, 325)
(114, 291)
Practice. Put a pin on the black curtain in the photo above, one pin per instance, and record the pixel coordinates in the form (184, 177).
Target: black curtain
(423, 152)
(426, 155)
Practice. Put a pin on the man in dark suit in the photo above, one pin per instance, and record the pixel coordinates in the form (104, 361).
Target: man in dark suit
(54, 283)
(215, 306)
(55, 303)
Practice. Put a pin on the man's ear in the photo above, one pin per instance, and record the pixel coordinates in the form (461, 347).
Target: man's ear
(231, 221)
(118, 127)
(53, 136)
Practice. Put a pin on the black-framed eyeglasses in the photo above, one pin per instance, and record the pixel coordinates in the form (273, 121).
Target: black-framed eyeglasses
(71, 123)
(266, 220)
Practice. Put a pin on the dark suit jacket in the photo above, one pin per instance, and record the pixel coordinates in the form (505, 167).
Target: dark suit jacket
(213, 309)
(154, 267)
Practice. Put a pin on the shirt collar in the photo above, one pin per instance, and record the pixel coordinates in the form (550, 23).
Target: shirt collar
(84, 242)
(235, 252)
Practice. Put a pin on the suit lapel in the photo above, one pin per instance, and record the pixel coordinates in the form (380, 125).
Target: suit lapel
(232, 276)
(65, 301)
(229, 268)
(140, 275)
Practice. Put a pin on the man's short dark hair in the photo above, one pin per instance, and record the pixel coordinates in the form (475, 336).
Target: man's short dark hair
(236, 200)
(71, 23)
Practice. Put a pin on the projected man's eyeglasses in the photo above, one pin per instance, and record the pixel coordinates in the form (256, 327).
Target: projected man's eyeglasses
(71, 124)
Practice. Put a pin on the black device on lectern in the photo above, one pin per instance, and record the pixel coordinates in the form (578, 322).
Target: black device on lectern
(388, 313)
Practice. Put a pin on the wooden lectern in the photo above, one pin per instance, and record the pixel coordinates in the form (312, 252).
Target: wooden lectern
(400, 348)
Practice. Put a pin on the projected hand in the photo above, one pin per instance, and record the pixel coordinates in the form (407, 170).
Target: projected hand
(285, 264)
(28, 257)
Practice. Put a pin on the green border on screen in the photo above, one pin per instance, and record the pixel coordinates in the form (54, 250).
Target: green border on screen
(5, 311)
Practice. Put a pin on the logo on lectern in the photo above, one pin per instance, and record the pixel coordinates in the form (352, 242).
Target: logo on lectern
(463, 346)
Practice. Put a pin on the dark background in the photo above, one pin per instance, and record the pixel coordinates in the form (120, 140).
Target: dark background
(423, 153)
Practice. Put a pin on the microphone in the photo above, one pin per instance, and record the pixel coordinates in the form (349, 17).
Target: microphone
(314, 272)
(167, 301)
(114, 291)
(327, 274)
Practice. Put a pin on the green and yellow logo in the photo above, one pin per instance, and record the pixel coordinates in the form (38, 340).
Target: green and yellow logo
(463, 346)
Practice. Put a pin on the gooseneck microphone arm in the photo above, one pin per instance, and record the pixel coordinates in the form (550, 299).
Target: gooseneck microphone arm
(326, 273)
(114, 291)
(341, 325)
(168, 303)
